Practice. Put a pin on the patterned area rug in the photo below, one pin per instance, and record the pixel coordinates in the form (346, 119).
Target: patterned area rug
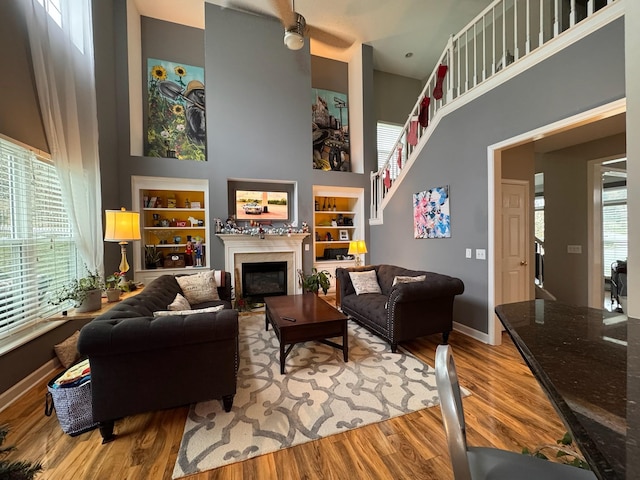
(319, 395)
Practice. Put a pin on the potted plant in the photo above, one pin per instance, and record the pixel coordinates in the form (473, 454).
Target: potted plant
(86, 293)
(152, 256)
(318, 279)
(114, 289)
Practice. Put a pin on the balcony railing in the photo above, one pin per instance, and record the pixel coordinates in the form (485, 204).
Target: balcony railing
(501, 35)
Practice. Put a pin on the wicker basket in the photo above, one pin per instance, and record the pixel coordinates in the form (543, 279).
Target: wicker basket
(72, 406)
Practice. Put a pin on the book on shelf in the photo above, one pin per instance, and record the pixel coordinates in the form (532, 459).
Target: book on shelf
(152, 202)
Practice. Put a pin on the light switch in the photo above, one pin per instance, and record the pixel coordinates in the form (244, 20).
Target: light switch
(574, 248)
(306, 247)
(468, 253)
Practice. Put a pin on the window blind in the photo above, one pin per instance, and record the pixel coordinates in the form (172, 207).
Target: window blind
(388, 135)
(37, 251)
(614, 226)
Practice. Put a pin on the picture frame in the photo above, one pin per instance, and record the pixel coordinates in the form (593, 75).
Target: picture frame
(343, 234)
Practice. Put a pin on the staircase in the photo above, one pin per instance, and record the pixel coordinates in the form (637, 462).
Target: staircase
(485, 53)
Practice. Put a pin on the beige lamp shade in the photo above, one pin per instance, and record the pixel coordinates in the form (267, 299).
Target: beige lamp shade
(357, 247)
(121, 226)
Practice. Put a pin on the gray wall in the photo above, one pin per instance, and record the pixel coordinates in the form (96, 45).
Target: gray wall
(20, 118)
(395, 96)
(567, 196)
(329, 75)
(258, 109)
(584, 75)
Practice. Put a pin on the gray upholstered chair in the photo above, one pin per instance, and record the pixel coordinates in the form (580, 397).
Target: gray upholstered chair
(479, 463)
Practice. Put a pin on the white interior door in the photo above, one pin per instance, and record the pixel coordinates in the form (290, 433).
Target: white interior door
(516, 271)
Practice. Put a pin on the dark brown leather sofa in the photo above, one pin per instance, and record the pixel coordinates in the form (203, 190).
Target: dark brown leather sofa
(404, 311)
(141, 363)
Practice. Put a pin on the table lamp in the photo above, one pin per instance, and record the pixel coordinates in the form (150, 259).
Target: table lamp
(122, 226)
(357, 247)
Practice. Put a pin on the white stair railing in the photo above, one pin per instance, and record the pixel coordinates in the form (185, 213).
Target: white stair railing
(503, 33)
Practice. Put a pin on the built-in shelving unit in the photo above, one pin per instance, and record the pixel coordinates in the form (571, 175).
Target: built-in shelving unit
(338, 218)
(173, 212)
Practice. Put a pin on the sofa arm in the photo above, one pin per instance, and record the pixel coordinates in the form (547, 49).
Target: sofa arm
(110, 337)
(432, 287)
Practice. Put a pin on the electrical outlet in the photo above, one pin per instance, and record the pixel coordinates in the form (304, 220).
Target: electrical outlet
(467, 253)
(481, 254)
(306, 247)
(574, 248)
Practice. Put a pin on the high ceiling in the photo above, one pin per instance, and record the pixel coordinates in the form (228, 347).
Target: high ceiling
(392, 27)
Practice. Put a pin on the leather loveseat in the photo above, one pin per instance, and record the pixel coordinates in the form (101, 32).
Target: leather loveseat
(141, 363)
(403, 311)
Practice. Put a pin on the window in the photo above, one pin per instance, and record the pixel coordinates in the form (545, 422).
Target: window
(37, 250)
(538, 205)
(53, 8)
(614, 226)
(388, 135)
(72, 20)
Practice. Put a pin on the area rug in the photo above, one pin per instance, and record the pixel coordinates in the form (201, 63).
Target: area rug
(319, 395)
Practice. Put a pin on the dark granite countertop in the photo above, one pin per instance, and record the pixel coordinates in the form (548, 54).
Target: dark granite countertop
(580, 357)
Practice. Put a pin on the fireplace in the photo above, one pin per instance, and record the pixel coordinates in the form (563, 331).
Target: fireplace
(239, 249)
(264, 279)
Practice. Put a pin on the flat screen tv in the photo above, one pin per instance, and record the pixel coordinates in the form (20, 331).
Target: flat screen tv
(261, 205)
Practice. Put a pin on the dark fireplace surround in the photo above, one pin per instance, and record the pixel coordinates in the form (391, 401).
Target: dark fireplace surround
(263, 279)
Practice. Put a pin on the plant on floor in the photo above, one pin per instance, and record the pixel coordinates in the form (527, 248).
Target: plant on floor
(15, 470)
(318, 279)
(78, 289)
(564, 450)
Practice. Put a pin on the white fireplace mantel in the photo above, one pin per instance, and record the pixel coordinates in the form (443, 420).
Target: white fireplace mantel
(238, 246)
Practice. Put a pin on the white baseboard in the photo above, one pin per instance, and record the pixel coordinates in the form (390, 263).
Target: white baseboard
(471, 332)
(20, 388)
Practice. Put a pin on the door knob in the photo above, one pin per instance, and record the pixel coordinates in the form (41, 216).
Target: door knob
(523, 262)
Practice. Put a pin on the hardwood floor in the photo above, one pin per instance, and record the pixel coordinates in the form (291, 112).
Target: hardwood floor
(507, 409)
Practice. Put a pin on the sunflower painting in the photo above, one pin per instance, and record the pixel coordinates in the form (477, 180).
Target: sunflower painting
(176, 111)
(431, 217)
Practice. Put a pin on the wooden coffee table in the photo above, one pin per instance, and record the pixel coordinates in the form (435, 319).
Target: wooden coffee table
(300, 318)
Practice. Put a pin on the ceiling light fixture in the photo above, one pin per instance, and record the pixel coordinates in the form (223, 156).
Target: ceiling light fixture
(294, 35)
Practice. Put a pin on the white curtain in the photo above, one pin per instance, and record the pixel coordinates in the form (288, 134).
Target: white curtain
(61, 39)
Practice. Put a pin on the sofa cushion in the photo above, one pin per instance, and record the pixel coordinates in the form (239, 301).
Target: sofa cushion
(372, 307)
(365, 282)
(388, 273)
(179, 303)
(199, 288)
(166, 313)
(408, 279)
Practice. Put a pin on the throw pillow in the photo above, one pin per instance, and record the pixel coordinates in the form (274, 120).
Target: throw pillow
(166, 313)
(67, 351)
(179, 303)
(407, 279)
(365, 282)
(199, 288)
